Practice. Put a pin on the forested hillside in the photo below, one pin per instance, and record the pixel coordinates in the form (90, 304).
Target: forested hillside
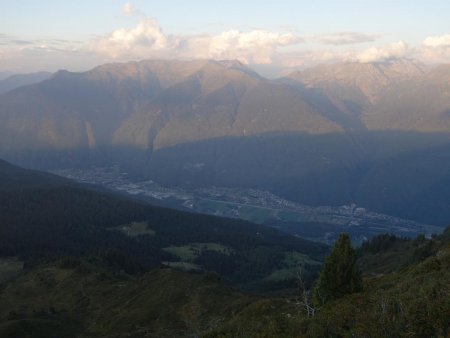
(44, 216)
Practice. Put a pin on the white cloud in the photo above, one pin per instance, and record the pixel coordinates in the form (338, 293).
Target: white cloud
(268, 49)
(148, 40)
(139, 41)
(128, 9)
(256, 46)
(392, 51)
(436, 49)
(309, 58)
(437, 41)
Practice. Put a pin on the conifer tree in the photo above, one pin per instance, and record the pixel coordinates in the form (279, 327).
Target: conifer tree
(340, 274)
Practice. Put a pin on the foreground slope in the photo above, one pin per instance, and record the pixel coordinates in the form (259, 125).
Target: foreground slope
(70, 298)
(412, 300)
(84, 299)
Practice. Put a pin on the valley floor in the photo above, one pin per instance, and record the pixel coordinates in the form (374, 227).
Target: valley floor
(323, 223)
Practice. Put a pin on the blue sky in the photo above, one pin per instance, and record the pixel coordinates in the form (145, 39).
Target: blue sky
(51, 34)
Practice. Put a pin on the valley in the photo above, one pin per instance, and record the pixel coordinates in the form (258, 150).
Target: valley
(44, 217)
(323, 223)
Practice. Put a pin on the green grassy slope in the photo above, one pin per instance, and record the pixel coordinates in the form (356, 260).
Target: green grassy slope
(72, 298)
(89, 301)
(413, 301)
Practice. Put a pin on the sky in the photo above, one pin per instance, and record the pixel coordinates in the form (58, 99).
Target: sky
(270, 36)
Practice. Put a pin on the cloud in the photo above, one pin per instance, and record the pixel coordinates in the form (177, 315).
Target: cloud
(308, 58)
(128, 9)
(37, 58)
(256, 46)
(395, 50)
(345, 38)
(147, 39)
(436, 49)
(144, 40)
(21, 42)
(437, 41)
(19, 55)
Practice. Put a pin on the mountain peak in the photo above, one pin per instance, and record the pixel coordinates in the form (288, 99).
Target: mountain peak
(352, 70)
(231, 63)
(367, 78)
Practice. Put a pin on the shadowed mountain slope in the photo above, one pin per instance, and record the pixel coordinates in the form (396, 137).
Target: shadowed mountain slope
(20, 80)
(44, 215)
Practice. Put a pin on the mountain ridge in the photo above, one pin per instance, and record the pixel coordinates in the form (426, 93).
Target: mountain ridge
(354, 119)
(19, 80)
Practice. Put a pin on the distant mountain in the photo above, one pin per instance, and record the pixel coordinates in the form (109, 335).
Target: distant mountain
(43, 216)
(332, 135)
(151, 104)
(358, 82)
(422, 105)
(15, 81)
(4, 75)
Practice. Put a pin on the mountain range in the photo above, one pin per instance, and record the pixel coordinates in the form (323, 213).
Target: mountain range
(374, 134)
(19, 80)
